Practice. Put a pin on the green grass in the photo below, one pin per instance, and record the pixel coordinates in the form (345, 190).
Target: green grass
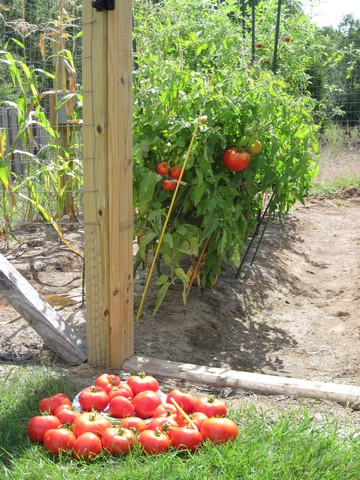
(334, 187)
(291, 446)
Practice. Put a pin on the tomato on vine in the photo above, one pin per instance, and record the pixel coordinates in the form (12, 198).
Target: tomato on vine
(169, 184)
(175, 172)
(162, 168)
(235, 160)
(255, 148)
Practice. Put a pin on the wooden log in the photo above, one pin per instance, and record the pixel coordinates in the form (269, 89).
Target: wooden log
(59, 336)
(347, 395)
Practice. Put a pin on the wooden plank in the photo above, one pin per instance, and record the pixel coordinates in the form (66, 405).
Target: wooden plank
(96, 203)
(119, 76)
(347, 395)
(40, 315)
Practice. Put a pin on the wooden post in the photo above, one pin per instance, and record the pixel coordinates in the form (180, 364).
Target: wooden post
(107, 126)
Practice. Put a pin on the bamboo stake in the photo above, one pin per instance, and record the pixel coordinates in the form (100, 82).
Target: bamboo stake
(170, 210)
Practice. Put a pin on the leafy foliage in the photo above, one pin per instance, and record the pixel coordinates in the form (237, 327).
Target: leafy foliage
(193, 60)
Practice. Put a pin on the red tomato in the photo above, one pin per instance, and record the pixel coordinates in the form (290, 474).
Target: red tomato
(90, 422)
(259, 45)
(287, 39)
(121, 407)
(59, 440)
(87, 446)
(184, 399)
(235, 160)
(40, 424)
(211, 406)
(93, 398)
(219, 430)
(185, 438)
(154, 442)
(106, 381)
(145, 403)
(197, 419)
(134, 423)
(169, 184)
(165, 410)
(175, 172)
(163, 168)
(52, 403)
(141, 382)
(118, 440)
(164, 424)
(66, 414)
(123, 390)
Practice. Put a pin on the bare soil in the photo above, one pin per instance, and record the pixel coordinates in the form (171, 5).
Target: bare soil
(293, 312)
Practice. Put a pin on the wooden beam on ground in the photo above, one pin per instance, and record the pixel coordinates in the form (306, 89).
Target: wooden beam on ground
(59, 336)
(347, 395)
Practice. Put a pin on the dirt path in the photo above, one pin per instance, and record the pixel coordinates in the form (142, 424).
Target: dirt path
(294, 312)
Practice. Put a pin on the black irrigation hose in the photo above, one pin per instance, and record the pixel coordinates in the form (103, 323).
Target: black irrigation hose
(277, 30)
(254, 236)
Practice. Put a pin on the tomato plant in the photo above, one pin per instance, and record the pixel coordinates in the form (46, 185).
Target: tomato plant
(219, 430)
(59, 440)
(243, 102)
(39, 425)
(118, 440)
(87, 446)
(93, 398)
(153, 442)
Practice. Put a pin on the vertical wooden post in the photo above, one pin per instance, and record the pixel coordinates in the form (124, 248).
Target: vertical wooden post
(107, 125)
(119, 77)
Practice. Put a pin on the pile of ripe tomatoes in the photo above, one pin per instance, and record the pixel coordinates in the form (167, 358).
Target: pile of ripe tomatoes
(113, 416)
